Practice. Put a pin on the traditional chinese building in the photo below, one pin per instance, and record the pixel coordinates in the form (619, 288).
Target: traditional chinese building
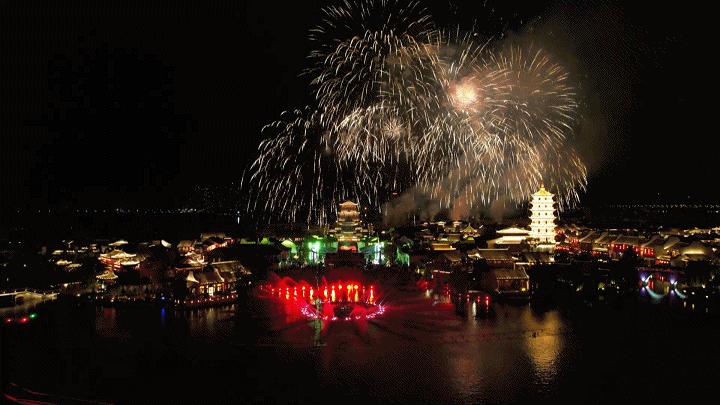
(348, 222)
(470, 232)
(512, 237)
(210, 282)
(542, 217)
(118, 260)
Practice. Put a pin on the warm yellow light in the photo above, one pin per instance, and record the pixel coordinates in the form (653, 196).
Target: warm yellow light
(465, 94)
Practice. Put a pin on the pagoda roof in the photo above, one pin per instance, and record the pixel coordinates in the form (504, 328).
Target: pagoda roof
(670, 242)
(209, 277)
(543, 193)
(288, 244)
(191, 278)
(347, 203)
(606, 238)
(437, 246)
(513, 230)
(228, 276)
(656, 241)
(628, 240)
(452, 256)
(491, 254)
(189, 265)
(117, 254)
(537, 257)
(108, 275)
(698, 249)
(510, 274)
(508, 240)
(589, 237)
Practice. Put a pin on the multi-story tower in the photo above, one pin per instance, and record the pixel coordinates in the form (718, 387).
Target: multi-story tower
(542, 217)
(348, 221)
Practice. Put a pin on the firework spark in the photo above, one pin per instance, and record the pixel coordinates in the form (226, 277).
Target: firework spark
(401, 104)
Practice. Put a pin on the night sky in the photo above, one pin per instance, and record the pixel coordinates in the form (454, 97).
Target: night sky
(134, 103)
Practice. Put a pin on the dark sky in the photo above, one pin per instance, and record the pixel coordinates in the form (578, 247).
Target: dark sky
(133, 103)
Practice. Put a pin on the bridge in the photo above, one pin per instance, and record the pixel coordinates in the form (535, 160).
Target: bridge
(663, 273)
(19, 296)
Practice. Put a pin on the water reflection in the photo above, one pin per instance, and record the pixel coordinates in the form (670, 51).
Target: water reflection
(420, 350)
(544, 341)
(106, 322)
(476, 357)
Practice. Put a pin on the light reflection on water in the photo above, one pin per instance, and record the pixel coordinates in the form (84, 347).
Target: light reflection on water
(475, 359)
(420, 350)
(544, 343)
(491, 358)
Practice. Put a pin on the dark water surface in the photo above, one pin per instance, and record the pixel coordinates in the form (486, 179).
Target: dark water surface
(418, 351)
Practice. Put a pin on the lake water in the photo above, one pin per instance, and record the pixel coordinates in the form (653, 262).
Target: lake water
(418, 351)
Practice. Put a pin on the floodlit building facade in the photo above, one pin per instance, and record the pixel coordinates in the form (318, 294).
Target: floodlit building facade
(542, 217)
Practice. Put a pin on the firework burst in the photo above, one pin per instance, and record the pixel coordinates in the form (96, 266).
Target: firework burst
(401, 104)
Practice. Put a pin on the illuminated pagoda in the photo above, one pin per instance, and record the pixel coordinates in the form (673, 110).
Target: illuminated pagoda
(350, 243)
(469, 232)
(348, 227)
(542, 218)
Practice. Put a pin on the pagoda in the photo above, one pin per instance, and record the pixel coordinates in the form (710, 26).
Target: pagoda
(542, 217)
(348, 222)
